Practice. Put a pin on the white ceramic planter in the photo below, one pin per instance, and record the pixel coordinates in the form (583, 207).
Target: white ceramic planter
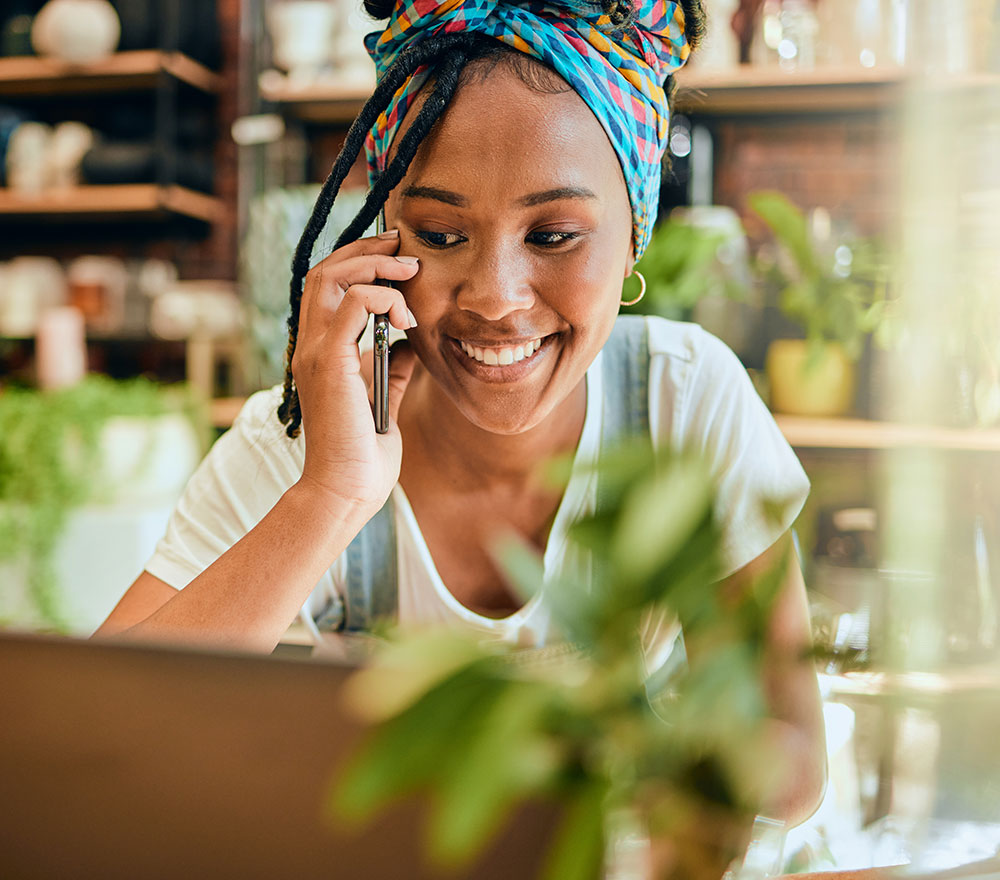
(145, 465)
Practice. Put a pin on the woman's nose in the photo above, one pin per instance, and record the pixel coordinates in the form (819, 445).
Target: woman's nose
(497, 283)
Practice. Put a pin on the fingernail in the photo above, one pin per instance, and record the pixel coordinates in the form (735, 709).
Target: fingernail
(389, 233)
(413, 321)
(410, 261)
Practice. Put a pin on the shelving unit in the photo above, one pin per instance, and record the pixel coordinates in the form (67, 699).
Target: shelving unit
(804, 433)
(138, 201)
(768, 90)
(124, 71)
(323, 104)
(744, 91)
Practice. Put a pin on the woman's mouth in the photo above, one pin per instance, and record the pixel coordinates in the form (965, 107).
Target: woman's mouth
(509, 362)
(501, 356)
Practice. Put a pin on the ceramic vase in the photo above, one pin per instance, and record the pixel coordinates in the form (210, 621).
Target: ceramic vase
(820, 387)
(78, 31)
(301, 34)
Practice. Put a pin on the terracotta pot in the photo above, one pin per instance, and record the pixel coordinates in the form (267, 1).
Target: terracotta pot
(823, 386)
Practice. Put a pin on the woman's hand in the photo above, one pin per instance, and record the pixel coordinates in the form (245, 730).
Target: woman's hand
(345, 459)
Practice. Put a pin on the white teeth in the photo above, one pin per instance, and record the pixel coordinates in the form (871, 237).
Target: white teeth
(501, 356)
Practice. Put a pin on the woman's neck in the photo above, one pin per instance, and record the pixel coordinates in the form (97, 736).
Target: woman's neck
(439, 438)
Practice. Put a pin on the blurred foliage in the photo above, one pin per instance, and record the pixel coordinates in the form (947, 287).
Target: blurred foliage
(482, 727)
(832, 299)
(681, 265)
(50, 459)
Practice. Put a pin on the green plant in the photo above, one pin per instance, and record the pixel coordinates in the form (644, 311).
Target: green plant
(840, 297)
(482, 727)
(681, 266)
(50, 461)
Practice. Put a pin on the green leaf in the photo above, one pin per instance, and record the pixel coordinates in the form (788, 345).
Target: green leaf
(506, 759)
(578, 850)
(659, 516)
(789, 226)
(408, 751)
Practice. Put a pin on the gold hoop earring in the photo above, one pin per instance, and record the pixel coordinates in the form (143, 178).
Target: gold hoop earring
(642, 289)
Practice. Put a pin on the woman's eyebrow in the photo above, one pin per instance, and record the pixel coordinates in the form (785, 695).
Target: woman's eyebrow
(414, 191)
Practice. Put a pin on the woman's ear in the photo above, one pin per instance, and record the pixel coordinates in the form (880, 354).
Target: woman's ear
(630, 259)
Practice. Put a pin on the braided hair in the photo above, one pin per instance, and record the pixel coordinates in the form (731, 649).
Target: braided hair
(448, 55)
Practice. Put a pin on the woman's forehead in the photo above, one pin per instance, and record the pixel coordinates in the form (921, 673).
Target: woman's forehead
(499, 132)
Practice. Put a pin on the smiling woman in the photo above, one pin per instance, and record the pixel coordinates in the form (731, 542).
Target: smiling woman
(515, 150)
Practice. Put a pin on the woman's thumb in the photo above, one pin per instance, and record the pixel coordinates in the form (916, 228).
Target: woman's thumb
(401, 362)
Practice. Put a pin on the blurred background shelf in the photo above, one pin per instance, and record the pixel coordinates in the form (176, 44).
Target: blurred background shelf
(803, 432)
(321, 104)
(745, 91)
(224, 410)
(750, 90)
(114, 202)
(123, 71)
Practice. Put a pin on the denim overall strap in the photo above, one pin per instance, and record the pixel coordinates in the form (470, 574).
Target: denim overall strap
(626, 388)
(372, 590)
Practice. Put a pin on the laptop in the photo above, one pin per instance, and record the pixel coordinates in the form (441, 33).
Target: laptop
(123, 761)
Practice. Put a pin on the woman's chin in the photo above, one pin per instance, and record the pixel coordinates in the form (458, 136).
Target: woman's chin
(503, 420)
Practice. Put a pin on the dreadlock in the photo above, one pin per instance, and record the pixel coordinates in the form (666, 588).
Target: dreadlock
(447, 55)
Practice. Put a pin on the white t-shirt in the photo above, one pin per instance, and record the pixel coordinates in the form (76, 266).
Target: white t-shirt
(700, 398)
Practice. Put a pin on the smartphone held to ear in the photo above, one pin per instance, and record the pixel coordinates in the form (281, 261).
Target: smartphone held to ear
(381, 353)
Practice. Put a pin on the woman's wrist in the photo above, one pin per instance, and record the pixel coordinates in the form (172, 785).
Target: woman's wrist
(331, 507)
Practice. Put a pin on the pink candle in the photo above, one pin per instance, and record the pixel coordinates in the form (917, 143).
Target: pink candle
(60, 348)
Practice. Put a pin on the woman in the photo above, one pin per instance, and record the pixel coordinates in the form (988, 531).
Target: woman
(517, 161)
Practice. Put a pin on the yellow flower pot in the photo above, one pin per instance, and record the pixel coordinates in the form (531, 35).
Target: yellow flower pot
(821, 387)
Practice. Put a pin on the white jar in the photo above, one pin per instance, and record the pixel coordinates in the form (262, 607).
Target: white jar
(79, 31)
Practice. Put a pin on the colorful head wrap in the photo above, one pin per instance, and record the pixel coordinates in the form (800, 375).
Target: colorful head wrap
(619, 75)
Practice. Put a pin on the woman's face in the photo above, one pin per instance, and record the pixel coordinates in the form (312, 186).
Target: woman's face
(517, 208)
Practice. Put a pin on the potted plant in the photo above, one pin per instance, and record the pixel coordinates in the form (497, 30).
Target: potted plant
(81, 468)
(694, 254)
(678, 760)
(837, 299)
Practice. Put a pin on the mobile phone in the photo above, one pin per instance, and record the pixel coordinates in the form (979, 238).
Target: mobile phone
(381, 352)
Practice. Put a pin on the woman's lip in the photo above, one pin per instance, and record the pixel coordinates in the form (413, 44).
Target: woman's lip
(497, 373)
(501, 343)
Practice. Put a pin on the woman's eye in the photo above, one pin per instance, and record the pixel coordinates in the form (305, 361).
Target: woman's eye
(439, 239)
(551, 239)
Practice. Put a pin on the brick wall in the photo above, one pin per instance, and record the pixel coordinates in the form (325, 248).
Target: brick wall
(843, 162)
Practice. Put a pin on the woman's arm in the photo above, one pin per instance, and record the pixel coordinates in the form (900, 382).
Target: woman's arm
(246, 599)
(796, 728)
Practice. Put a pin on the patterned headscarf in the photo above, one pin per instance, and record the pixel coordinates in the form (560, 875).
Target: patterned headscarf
(620, 75)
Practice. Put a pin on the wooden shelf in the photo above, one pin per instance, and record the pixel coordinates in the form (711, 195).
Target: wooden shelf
(757, 91)
(118, 202)
(744, 91)
(803, 433)
(223, 410)
(968, 680)
(328, 104)
(123, 71)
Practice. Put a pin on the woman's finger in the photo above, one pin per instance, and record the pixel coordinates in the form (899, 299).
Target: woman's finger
(326, 288)
(384, 245)
(362, 300)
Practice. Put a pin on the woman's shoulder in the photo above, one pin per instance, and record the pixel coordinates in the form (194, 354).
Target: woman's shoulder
(685, 344)
(258, 428)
